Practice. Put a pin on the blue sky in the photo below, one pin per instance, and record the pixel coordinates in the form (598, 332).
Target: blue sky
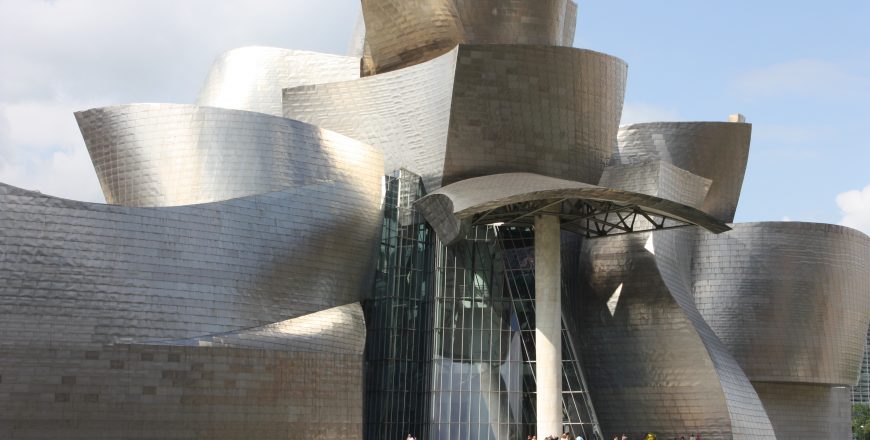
(799, 71)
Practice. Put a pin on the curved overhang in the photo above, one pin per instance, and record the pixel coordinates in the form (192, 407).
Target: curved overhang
(403, 33)
(514, 198)
(251, 78)
(788, 299)
(718, 151)
(429, 118)
(149, 155)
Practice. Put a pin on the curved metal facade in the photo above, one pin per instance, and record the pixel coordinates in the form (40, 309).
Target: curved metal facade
(802, 411)
(404, 33)
(429, 118)
(172, 154)
(207, 318)
(789, 300)
(219, 294)
(406, 113)
(646, 346)
(171, 273)
(251, 78)
(716, 150)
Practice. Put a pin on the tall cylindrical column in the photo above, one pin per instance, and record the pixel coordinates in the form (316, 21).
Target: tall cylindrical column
(548, 324)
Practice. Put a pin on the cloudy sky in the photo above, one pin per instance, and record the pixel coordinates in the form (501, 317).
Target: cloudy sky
(799, 70)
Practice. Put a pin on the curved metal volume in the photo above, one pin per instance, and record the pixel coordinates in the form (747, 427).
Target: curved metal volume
(402, 33)
(406, 113)
(430, 118)
(789, 300)
(172, 154)
(646, 347)
(251, 78)
(115, 273)
(715, 150)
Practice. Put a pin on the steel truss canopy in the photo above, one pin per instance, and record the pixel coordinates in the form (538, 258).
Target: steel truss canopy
(515, 198)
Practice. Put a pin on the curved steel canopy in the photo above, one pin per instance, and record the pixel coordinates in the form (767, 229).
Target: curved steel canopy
(592, 211)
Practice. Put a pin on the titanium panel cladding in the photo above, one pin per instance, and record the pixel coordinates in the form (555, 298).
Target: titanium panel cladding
(461, 116)
(403, 33)
(405, 113)
(646, 348)
(801, 411)
(788, 299)
(718, 151)
(172, 154)
(251, 78)
(102, 274)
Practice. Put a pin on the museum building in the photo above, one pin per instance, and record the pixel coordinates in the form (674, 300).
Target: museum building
(446, 234)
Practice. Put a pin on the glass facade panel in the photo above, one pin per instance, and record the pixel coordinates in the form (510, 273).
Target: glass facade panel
(450, 350)
(398, 317)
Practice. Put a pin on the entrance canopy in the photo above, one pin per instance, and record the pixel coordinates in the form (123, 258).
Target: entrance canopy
(589, 210)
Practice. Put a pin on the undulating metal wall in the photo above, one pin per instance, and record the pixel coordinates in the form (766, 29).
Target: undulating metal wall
(174, 154)
(402, 33)
(717, 151)
(644, 345)
(459, 115)
(109, 313)
(251, 78)
(218, 298)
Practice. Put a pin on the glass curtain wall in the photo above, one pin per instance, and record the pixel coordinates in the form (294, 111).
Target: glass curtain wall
(398, 318)
(483, 352)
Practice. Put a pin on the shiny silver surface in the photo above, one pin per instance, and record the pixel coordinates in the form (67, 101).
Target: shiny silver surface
(406, 113)
(402, 33)
(715, 150)
(789, 300)
(337, 330)
(437, 120)
(807, 412)
(89, 273)
(446, 209)
(645, 347)
(251, 78)
(226, 319)
(173, 154)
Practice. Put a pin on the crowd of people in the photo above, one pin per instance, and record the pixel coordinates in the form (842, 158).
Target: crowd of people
(650, 436)
(568, 436)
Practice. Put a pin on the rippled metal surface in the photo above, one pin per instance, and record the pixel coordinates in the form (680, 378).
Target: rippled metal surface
(802, 411)
(402, 33)
(119, 273)
(406, 113)
(788, 299)
(646, 348)
(337, 330)
(715, 150)
(438, 119)
(251, 78)
(173, 154)
(228, 319)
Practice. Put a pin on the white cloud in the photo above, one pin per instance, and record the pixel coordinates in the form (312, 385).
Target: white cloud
(43, 124)
(61, 56)
(812, 78)
(855, 206)
(66, 174)
(637, 112)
